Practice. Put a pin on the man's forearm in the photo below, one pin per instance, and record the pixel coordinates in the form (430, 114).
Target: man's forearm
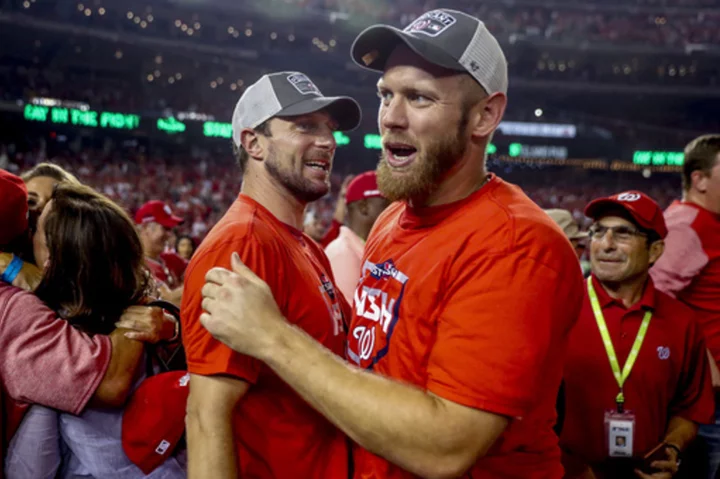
(680, 432)
(209, 422)
(115, 387)
(211, 449)
(406, 425)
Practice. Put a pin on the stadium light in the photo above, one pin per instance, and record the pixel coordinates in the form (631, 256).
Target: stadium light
(170, 125)
(214, 129)
(341, 138)
(659, 158)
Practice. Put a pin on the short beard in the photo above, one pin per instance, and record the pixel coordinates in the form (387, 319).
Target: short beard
(301, 189)
(429, 168)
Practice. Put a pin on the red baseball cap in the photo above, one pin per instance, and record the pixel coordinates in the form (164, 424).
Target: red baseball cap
(154, 419)
(643, 209)
(362, 186)
(158, 212)
(13, 207)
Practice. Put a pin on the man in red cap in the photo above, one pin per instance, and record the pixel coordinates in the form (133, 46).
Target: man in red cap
(155, 222)
(637, 380)
(35, 364)
(364, 204)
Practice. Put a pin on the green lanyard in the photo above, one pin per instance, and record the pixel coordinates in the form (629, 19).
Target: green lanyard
(605, 334)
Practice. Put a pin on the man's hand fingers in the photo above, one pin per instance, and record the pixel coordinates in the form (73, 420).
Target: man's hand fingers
(239, 267)
(218, 276)
(144, 337)
(642, 474)
(669, 466)
(210, 290)
(208, 305)
(133, 325)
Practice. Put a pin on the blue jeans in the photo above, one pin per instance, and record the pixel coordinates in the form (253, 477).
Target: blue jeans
(710, 435)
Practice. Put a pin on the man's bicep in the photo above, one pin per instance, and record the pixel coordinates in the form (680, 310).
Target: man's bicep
(681, 261)
(37, 345)
(215, 395)
(476, 430)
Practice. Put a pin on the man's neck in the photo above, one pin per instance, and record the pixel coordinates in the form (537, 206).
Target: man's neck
(468, 176)
(699, 199)
(276, 199)
(359, 227)
(629, 292)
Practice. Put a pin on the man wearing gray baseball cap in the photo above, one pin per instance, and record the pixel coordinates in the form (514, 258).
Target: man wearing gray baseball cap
(467, 292)
(242, 420)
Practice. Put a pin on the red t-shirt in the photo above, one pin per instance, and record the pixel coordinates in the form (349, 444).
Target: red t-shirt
(671, 376)
(175, 263)
(689, 269)
(43, 360)
(472, 301)
(277, 434)
(332, 233)
(162, 273)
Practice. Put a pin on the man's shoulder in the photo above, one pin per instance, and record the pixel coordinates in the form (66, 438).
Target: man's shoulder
(679, 313)
(512, 222)
(17, 300)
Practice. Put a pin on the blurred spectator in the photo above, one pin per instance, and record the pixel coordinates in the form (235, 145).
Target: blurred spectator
(155, 222)
(690, 268)
(185, 247)
(364, 204)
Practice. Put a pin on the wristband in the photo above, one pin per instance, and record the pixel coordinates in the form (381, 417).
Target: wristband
(12, 270)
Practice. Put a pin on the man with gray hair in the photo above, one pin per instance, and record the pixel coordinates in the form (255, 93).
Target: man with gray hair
(468, 290)
(242, 420)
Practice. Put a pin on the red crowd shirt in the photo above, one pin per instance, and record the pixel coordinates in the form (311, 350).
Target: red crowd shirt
(671, 376)
(689, 269)
(277, 434)
(175, 263)
(472, 301)
(331, 234)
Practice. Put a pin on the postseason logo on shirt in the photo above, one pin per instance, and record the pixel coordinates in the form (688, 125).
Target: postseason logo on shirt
(377, 305)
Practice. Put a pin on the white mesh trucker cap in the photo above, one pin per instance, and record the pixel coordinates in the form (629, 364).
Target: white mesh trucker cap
(448, 38)
(290, 94)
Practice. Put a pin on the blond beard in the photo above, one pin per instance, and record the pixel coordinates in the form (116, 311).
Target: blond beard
(426, 172)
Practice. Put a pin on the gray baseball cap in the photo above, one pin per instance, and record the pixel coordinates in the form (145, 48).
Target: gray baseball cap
(290, 94)
(448, 38)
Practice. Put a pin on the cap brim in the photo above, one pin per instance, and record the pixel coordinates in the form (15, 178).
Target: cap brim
(579, 235)
(344, 110)
(596, 208)
(373, 47)
(171, 222)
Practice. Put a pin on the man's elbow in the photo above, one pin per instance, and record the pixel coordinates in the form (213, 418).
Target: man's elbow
(113, 392)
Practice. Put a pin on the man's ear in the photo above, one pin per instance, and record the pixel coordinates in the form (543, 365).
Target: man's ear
(699, 180)
(250, 142)
(487, 115)
(656, 250)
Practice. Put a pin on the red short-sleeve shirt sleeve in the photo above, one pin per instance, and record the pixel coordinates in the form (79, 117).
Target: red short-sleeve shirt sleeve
(499, 323)
(695, 399)
(206, 355)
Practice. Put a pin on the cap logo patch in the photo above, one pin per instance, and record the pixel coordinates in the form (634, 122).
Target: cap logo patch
(303, 84)
(167, 210)
(431, 24)
(628, 197)
(162, 447)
